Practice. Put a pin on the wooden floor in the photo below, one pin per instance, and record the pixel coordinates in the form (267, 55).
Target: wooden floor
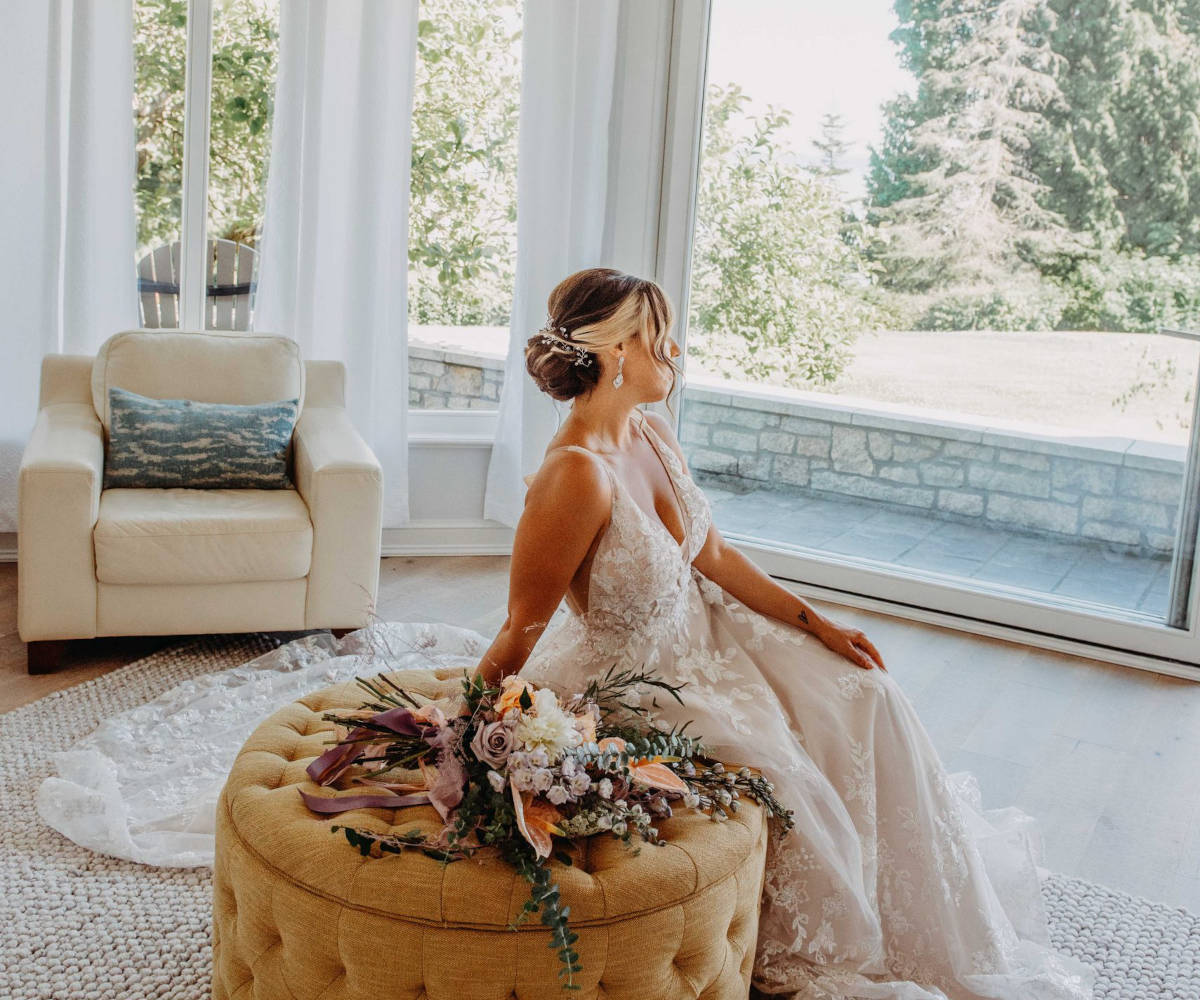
(1106, 757)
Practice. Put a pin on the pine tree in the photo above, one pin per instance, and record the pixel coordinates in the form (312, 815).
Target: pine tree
(1122, 157)
(832, 147)
(974, 214)
(892, 164)
(924, 40)
(1069, 155)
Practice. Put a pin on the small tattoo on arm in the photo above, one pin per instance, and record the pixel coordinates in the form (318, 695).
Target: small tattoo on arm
(804, 617)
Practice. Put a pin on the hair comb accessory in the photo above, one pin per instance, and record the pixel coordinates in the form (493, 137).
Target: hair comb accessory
(550, 335)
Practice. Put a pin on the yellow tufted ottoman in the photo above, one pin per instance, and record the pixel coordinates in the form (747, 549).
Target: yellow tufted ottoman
(299, 914)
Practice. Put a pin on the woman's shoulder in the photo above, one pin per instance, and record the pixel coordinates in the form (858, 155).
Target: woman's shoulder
(569, 469)
(571, 492)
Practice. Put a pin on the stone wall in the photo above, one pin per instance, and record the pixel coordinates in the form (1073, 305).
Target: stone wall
(1117, 490)
(1121, 491)
(440, 379)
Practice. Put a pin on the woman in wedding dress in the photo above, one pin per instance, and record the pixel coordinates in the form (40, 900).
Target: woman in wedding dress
(893, 884)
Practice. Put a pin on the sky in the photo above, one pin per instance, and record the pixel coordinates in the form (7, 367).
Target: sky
(812, 56)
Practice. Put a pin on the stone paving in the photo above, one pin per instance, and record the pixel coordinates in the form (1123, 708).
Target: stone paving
(1082, 570)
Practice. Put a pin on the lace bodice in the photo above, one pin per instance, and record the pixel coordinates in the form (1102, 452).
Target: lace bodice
(638, 583)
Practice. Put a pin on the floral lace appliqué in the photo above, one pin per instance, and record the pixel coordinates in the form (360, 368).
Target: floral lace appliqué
(880, 869)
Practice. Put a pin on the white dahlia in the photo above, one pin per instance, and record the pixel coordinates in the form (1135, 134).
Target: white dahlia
(546, 726)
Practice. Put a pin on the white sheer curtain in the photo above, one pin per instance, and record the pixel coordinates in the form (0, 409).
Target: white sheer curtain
(67, 279)
(594, 92)
(564, 197)
(334, 267)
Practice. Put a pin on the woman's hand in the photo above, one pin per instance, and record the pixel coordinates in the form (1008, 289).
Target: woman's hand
(851, 643)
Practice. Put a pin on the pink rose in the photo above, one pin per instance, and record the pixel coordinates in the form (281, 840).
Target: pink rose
(492, 744)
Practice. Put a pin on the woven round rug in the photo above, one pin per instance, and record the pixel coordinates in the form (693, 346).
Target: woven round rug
(75, 925)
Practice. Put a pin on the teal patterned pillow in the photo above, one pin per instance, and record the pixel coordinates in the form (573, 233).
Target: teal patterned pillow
(178, 442)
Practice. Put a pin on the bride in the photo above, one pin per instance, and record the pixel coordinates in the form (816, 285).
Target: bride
(894, 882)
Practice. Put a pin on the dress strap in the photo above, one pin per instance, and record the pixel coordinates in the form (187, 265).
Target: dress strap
(651, 434)
(669, 469)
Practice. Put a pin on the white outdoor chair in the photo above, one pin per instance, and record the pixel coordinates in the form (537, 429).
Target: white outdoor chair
(230, 279)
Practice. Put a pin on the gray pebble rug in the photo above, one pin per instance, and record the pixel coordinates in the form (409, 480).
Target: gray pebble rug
(75, 925)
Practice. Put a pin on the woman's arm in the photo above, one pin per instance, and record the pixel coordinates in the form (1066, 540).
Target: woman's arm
(734, 572)
(730, 569)
(566, 506)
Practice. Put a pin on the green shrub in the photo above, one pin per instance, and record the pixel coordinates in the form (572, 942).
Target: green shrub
(1024, 306)
(778, 290)
(1131, 292)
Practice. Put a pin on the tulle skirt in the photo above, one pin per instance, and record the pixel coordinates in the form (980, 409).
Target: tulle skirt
(895, 883)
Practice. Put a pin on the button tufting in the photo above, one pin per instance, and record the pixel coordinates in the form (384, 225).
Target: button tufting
(284, 880)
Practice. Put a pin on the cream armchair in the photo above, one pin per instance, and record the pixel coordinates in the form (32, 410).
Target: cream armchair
(95, 562)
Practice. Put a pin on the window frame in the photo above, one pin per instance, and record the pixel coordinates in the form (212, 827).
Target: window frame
(1146, 644)
(197, 113)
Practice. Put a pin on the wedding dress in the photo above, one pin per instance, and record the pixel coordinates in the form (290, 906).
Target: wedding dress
(894, 884)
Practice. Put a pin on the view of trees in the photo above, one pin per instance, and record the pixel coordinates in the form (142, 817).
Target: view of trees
(780, 283)
(1046, 172)
(1043, 174)
(245, 46)
(463, 212)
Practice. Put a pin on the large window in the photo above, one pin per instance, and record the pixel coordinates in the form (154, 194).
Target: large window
(462, 236)
(242, 49)
(938, 322)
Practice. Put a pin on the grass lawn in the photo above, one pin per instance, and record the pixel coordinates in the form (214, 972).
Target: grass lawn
(1074, 381)
(1064, 381)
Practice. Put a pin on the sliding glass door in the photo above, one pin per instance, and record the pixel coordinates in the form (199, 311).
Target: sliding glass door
(938, 332)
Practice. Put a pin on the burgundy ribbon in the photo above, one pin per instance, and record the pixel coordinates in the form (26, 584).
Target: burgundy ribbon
(329, 766)
(326, 768)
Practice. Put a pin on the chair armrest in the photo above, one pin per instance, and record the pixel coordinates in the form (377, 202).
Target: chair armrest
(327, 443)
(341, 481)
(58, 502)
(67, 437)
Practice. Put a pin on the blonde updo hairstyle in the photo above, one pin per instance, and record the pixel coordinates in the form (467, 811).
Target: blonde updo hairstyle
(599, 307)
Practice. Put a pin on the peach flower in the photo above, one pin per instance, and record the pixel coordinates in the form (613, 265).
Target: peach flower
(648, 770)
(586, 724)
(430, 714)
(511, 689)
(536, 819)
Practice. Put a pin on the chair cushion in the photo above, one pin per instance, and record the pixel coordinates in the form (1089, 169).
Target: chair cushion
(160, 443)
(201, 536)
(208, 367)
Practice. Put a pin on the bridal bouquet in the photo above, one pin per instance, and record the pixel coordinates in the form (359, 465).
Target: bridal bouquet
(509, 768)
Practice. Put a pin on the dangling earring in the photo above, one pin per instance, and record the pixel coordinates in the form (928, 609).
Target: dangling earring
(620, 378)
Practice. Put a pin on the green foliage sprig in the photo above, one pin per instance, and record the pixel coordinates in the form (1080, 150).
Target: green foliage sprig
(720, 789)
(544, 896)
